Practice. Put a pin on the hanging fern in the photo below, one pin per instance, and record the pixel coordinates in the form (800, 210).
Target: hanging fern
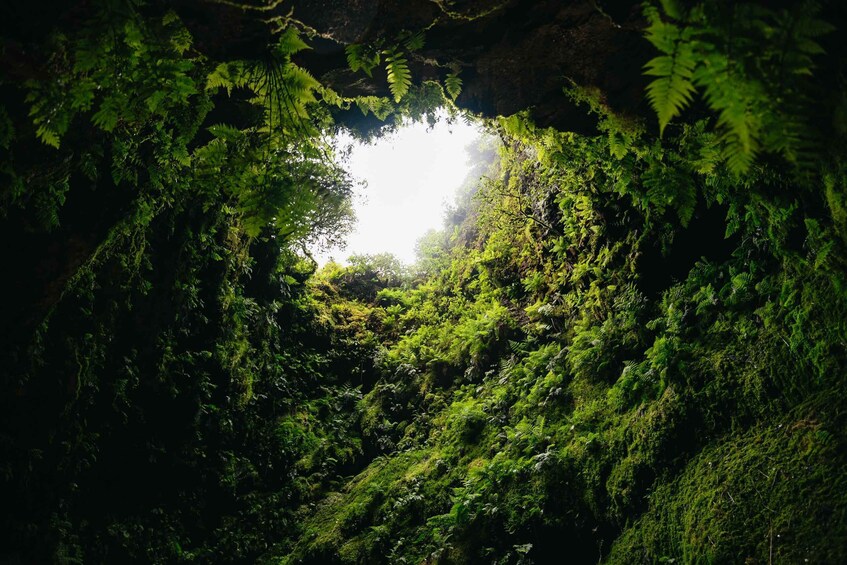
(362, 57)
(740, 112)
(367, 57)
(289, 43)
(412, 41)
(399, 76)
(227, 75)
(379, 107)
(453, 85)
(673, 88)
(738, 60)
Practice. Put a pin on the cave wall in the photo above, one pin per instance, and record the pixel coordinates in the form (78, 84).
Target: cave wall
(513, 54)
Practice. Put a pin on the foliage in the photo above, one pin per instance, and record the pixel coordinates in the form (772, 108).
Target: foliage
(181, 391)
(749, 62)
(629, 344)
(577, 367)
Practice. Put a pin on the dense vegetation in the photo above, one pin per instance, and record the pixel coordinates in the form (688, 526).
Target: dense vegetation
(627, 347)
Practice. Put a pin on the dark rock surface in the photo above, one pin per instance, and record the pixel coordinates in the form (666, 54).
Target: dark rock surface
(513, 54)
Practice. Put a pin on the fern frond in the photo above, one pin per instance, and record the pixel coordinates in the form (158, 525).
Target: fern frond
(227, 75)
(379, 107)
(331, 97)
(354, 57)
(362, 57)
(219, 78)
(517, 348)
(47, 136)
(673, 90)
(453, 85)
(738, 161)
(740, 111)
(226, 132)
(399, 76)
(289, 42)
(672, 8)
(300, 83)
(414, 41)
(106, 118)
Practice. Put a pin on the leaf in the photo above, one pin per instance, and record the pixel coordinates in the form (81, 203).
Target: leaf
(672, 9)
(220, 78)
(362, 57)
(107, 117)
(414, 41)
(82, 94)
(228, 75)
(399, 76)
(226, 132)
(47, 136)
(379, 107)
(290, 43)
(354, 56)
(673, 90)
(170, 17)
(181, 40)
(453, 85)
(155, 100)
(331, 97)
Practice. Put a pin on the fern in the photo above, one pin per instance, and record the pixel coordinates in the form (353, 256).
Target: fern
(354, 57)
(379, 107)
(366, 57)
(289, 42)
(106, 118)
(362, 57)
(749, 66)
(227, 75)
(413, 41)
(670, 186)
(226, 132)
(453, 85)
(332, 98)
(399, 76)
(47, 136)
(300, 86)
(673, 90)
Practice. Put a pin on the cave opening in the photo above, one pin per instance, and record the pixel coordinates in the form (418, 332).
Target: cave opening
(406, 178)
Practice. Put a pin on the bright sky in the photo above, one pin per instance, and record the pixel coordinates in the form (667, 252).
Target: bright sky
(411, 175)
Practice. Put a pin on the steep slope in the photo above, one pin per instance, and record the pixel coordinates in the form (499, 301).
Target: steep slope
(544, 391)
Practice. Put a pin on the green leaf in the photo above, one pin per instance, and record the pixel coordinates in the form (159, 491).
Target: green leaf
(107, 117)
(673, 90)
(362, 57)
(414, 41)
(453, 85)
(226, 132)
(290, 42)
(47, 136)
(671, 8)
(399, 76)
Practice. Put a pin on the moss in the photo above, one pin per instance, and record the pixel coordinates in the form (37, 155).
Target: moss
(758, 496)
(340, 529)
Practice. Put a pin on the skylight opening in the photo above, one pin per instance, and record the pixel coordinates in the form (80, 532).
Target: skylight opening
(406, 179)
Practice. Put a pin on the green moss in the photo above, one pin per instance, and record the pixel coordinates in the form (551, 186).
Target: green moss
(775, 493)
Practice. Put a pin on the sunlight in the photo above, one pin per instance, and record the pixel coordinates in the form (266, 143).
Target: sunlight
(409, 176)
